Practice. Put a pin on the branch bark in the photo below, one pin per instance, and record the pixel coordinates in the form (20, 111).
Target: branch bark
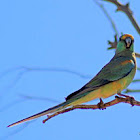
(127, 11)
(117, 100)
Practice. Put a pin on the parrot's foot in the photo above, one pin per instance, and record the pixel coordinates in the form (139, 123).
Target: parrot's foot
(130, 98)
(101, 105)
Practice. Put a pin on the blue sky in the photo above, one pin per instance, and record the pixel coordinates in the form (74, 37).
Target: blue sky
(67, 35)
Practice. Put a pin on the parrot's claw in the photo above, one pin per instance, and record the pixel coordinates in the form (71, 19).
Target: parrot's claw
(130, 98)
(101, 105)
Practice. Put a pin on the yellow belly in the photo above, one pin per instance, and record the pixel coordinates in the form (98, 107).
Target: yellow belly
(106, 90)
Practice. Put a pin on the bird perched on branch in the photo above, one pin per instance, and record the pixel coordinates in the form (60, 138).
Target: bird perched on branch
(111, 79)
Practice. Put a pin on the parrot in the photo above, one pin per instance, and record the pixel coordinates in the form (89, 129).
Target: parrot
(110, 80)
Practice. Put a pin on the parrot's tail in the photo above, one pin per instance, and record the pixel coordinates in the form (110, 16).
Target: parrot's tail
(45, 112)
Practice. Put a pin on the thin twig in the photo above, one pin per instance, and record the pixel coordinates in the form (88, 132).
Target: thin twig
(131, 90)
(127, 11)
(24, 69)
(108, 17)
(27, 97)
(117, 100)
(136, 80)
(137, 55)
(113, 45)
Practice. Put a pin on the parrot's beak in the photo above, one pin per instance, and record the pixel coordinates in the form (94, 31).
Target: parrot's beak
(128, 42)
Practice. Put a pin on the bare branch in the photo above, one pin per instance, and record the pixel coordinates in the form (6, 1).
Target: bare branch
(113, 44)
(55, 69)
(108, 17)
(136, 80)
(117, 100)
(127, 11)
(11, 104)
(137, 55)
(21, 71)
(39, 98)
(9, 134)
(24, 69)
(26, 98)
(131, 90)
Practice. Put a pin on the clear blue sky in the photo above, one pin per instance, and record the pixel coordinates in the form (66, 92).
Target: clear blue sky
(66, 34)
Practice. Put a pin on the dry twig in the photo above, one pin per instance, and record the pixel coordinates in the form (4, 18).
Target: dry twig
(117, 100)
(108, 17)
(132, 90)
(127, 11)
(113, 45)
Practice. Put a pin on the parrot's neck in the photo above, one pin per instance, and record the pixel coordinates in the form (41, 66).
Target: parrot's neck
(128, 54)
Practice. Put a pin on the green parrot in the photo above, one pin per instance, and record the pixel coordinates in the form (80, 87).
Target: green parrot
(111, 79)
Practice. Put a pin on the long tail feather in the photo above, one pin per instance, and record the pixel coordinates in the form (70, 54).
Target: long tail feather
(45, 112)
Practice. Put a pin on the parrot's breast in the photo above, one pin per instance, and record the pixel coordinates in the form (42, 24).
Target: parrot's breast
(107, 90)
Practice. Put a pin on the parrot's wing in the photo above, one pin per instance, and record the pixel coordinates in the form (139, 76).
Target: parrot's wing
(116, 69)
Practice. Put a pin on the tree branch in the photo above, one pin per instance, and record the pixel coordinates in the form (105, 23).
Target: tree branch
(127, 11)
(136, 80)
(137, 55)
(108, 17)
(113, 45)
(131, 90)
(117, 100)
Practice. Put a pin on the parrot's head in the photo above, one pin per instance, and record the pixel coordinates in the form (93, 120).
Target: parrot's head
(126, 43)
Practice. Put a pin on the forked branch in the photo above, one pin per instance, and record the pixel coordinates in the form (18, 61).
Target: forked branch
(127, 11)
